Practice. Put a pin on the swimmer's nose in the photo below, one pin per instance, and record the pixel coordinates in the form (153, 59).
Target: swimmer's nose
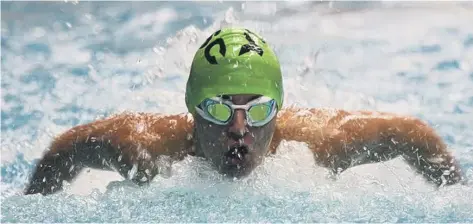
(238, 128)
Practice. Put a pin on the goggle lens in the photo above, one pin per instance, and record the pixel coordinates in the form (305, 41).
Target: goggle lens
(259, 112)
(219, 111)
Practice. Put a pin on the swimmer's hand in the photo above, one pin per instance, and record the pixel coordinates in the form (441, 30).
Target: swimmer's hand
(127, 143)
(340, 140)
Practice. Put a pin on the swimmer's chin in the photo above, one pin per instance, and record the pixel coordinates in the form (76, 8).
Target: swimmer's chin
(232, 171)
(236, 171)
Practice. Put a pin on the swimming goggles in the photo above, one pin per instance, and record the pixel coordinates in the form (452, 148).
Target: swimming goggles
(219, 111)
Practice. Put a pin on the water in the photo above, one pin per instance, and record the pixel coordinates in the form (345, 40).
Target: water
(68, 63)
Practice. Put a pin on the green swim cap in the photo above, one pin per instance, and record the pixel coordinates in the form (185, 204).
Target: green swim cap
(234, 61)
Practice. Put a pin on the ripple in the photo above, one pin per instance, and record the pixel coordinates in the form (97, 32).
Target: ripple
(448, 65)
(468, 41)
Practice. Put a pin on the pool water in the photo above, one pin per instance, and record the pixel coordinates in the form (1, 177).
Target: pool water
(68, 63)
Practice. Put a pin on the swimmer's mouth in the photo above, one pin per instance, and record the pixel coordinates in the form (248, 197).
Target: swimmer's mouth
(236, 154)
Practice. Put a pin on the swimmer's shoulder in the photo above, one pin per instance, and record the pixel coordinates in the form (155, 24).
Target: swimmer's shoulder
(153, 130)
(315, 126)
(300, 117)
(139, 122)
(294, 117)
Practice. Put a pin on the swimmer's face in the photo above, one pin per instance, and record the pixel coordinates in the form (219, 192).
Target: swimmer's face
(235, 148)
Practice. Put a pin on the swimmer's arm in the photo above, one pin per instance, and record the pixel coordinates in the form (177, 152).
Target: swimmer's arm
(120, 143)
(347, 140)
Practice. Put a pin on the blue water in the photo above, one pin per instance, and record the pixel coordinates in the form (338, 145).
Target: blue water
(68, 63)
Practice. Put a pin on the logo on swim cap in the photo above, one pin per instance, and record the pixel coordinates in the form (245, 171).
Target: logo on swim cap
(234, 61)
(250, 46)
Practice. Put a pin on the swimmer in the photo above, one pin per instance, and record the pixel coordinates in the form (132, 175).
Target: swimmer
(234, 96)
